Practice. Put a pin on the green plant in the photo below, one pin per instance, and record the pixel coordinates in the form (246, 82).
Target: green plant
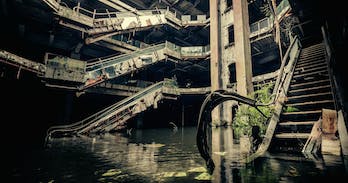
(290, 109)
(247, 116)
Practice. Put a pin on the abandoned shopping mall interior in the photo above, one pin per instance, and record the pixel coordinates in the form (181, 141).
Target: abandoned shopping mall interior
(174, 90)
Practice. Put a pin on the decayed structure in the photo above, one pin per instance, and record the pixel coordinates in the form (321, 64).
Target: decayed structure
(169, 47)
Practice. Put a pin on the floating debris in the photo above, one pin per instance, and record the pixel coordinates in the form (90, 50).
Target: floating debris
(101, 179)
(168, 174)
(111, 172)
(293, 171)
(198, 170)
(121, 177)
(180, 174)
(154, 145)
(174, 174)
(51, 181)
(204, 176)
(221, 153)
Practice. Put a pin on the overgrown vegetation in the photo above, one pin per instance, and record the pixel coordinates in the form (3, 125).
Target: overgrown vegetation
(247, 116)
(290, 109)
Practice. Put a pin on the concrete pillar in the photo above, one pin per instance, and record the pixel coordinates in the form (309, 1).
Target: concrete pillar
(242, 47)
(219, 73)
(215, 53)
(215, 73)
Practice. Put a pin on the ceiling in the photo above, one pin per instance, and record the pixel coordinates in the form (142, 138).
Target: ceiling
(30, 29)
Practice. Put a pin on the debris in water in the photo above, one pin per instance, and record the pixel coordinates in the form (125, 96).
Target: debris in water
(168, 174)
(111, 172)
(220, 153)
(198, 170)
(101, 179)
(293, 171)
(174, 174)
(51, 181)
(204, 176)
(121, 177)
(180, 174)
(154, 145)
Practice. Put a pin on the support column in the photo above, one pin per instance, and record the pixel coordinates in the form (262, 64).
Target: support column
(242, 47)
(215, 57)
(215, 73)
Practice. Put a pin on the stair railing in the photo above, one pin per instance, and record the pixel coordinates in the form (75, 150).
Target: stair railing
(287, 63)
(280, 90)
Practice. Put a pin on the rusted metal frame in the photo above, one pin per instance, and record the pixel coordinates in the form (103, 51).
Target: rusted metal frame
(80, 124)
(114, 119)
(103, 77)
(96, 123)
(119, 116)
(21, 66)
(110, 91)
(54, 4)
(117, 48)
(122, 118)
(90, 40)
(93, 39)
(92, 82)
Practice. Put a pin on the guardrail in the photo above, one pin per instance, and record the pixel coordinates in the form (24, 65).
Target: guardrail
(265, 25)
(280, 90)
(287, 63)
(101, 118)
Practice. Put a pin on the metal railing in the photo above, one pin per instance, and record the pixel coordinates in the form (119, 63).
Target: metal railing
(183, 20)
(287, 64)
(261, 26)
(265, 25)
(100, 64)
(81, 127)
(280, 90)
(182, 51)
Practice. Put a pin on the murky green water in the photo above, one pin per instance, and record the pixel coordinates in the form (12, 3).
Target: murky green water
(162, 155)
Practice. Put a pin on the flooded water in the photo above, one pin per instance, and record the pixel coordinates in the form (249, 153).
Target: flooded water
(162, 155)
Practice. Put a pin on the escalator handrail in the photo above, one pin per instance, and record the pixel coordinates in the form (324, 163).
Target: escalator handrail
(104, 112)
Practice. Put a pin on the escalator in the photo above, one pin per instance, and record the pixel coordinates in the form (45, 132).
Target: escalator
(310, 91)
(100, 25)
(22, 63)
(115, 116)
(78, 74)
(102, 69)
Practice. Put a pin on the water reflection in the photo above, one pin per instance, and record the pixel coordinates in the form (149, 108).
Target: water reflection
(161, 155)
(146, 155)
(227, 156)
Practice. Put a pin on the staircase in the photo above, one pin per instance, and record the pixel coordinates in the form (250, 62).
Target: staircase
(309, 92)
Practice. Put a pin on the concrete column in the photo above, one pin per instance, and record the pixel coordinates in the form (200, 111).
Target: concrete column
(242, 47)
(215, 73)
(215, 51)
